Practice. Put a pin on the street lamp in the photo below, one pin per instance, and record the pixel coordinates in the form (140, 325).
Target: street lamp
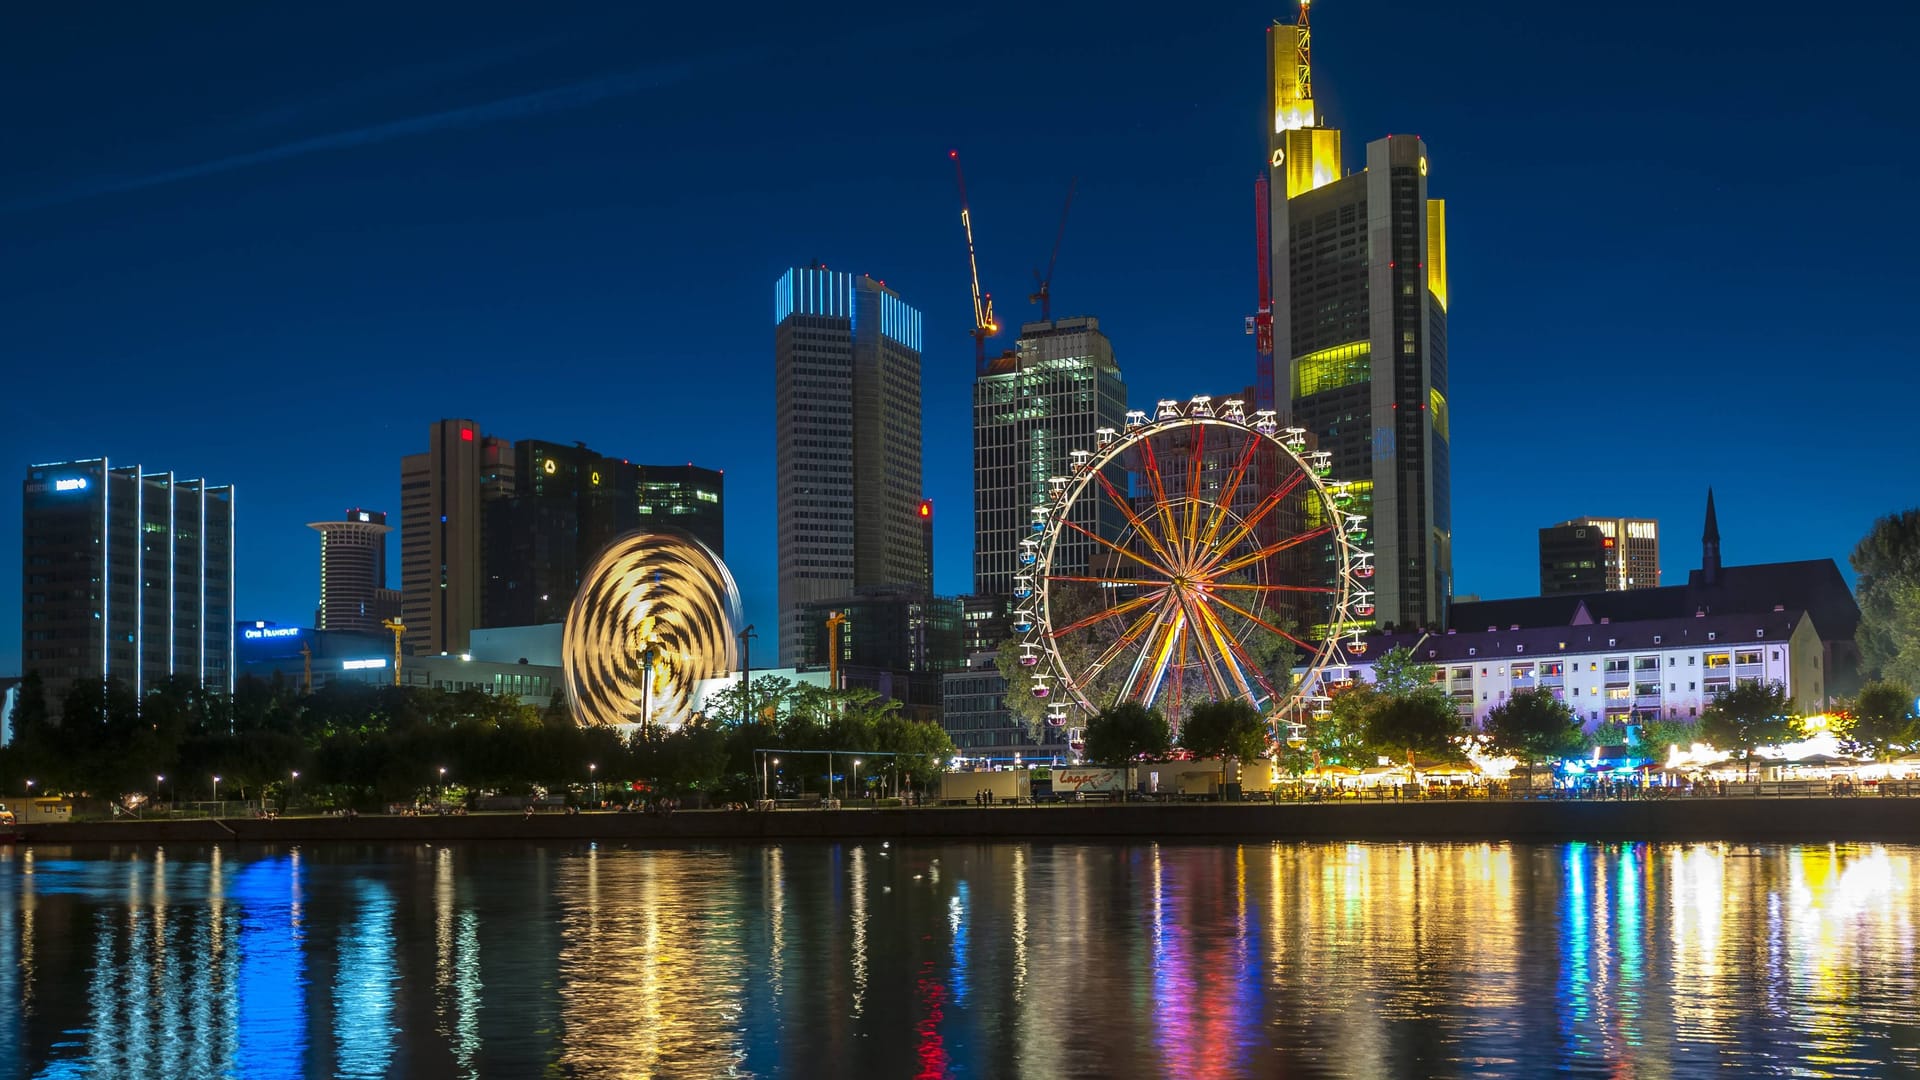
(856, 778)
(29, 789)
(593, 779)
(440, 792)
(216, 789)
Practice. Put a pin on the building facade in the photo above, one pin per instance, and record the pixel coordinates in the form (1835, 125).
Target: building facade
(497, 533)
(975, 716)
(1353, 323)
(353, 572)
(1593, 554)
(1656, 669)
(442, 492)
(313, 659)
(127, 574)
(847, 442)
(1032, 408)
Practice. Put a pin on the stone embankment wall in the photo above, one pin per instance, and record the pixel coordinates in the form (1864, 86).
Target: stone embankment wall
(1751, 820)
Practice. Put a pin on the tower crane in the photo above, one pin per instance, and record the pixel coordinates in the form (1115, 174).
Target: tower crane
(398, 627)
(984, 325)
(1043, 295)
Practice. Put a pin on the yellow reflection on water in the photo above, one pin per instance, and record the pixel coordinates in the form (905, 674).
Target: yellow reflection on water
(652, 970)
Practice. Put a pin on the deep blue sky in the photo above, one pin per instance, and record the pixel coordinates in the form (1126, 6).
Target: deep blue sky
(270, 243)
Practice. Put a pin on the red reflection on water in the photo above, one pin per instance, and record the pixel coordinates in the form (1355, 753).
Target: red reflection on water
(932, 994)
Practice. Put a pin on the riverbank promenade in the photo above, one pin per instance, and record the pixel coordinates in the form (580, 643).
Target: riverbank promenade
(1817, 819)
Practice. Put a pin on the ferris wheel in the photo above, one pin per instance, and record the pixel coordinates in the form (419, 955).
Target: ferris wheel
(1198, 554)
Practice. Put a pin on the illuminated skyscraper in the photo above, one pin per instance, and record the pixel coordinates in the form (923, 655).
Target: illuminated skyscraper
(567, 503)
(1594, 554)
(847, 442)
(1031, 410)
(128, 575)
(353, 572)
(1356, 265)
(441, 492)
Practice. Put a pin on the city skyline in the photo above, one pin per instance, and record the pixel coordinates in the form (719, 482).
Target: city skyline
(128, 279)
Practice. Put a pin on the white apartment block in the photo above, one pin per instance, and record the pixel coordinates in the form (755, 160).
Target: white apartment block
(1667, 669)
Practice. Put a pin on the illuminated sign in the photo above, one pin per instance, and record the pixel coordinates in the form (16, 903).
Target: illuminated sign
(72, 483)
(362, 665)
(364, 516)
(258, 633)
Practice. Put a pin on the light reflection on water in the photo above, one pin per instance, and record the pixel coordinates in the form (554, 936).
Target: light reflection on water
(959, 959)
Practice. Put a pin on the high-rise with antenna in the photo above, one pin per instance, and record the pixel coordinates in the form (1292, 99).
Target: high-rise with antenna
(1352, 325)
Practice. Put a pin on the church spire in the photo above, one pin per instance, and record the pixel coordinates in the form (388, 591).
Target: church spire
(1710, 546)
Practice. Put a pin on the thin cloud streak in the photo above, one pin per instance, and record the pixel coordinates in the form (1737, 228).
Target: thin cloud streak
(574, 96)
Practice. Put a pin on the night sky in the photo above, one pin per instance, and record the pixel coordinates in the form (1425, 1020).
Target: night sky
(268, 244)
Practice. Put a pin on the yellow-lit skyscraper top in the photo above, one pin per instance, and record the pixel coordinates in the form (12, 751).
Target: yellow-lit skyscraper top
(1307, 154)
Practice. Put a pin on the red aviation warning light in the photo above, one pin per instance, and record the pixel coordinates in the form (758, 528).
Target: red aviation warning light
(926, 508)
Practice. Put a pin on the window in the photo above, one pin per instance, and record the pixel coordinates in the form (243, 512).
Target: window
(1656, 639)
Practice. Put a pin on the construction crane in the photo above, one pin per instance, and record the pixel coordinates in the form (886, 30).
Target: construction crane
(398, 627)
(834, 622)
(984, 325)
(1044, 294)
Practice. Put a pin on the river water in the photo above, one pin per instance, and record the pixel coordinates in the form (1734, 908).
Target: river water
(987, 960)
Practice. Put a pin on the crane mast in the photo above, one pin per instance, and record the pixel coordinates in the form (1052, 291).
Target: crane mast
(1044, 294)
(984, 325)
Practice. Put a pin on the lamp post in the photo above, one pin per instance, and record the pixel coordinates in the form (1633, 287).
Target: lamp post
(593, 781)
(29, 791)
(856, 777)
(216, 794)
(157, 781)
(440, 791)
(290, 787)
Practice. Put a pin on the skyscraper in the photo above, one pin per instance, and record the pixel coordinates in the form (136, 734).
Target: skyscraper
(568, 502)
(1594, 554)
(1031, 410)
(128, 575)
(441, 492)
(847, 432)
(1357, 266)
(353, 572)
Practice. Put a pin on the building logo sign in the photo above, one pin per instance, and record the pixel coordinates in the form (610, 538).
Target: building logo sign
(262, 633)
(362, 665)
(72, 483)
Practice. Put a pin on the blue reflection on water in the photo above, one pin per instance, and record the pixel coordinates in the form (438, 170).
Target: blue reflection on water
(957, 914)
(363, 1028)
(273, 977)
(1576, 973)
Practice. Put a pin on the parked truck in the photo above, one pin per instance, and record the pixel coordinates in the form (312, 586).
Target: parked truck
(1081, 783)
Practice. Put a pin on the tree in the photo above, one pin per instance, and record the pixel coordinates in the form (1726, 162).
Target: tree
(1750, 715)
(1230, 729)
(1126, 732)
(1398, 675)
(1340, 737)
(1532, 725)
(1419, 723)
(1069, 603)
(1881, 719)
(1887, 561)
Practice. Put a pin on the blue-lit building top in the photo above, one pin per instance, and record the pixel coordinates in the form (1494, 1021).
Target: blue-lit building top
(842, 295)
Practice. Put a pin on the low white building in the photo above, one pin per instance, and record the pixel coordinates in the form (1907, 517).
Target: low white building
(1667, 669)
